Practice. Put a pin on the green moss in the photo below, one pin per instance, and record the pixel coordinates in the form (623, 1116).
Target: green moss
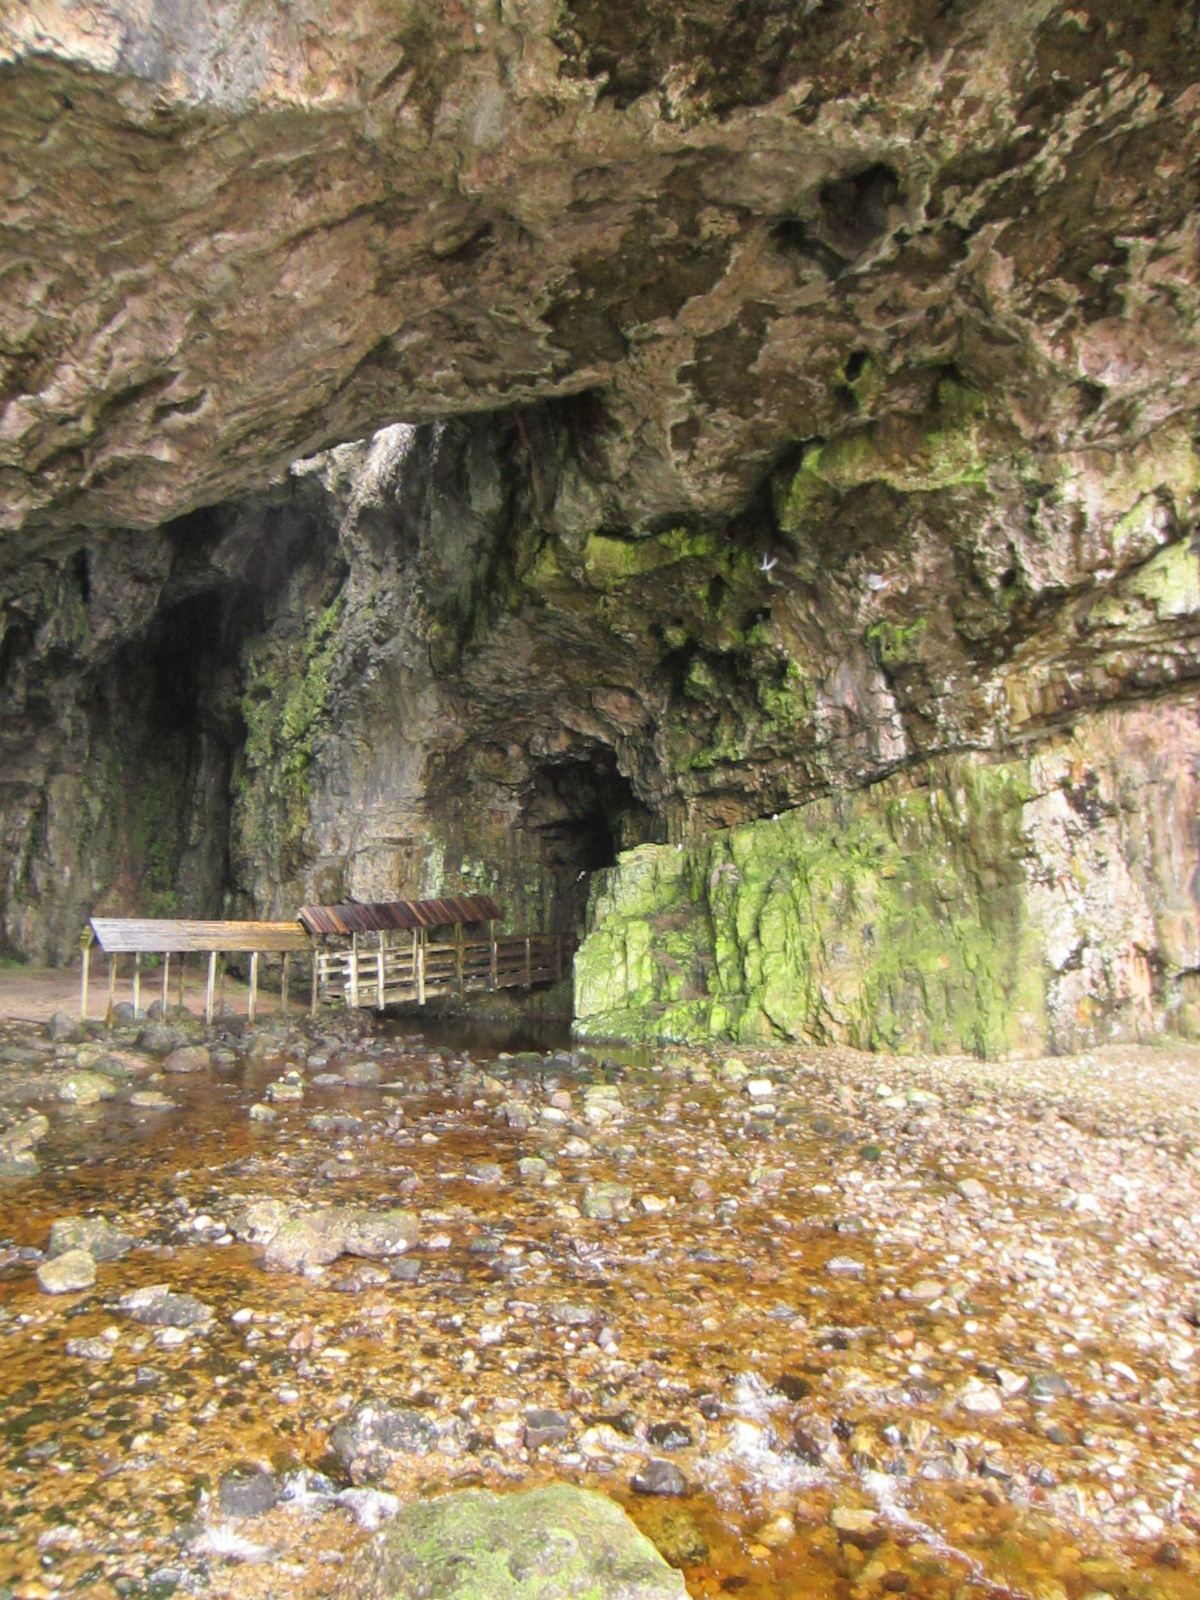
(945, 448)
(609, 560)
(893, 919)
(1170, 581)
(896, 644)
(283, 706)
(474, 1544)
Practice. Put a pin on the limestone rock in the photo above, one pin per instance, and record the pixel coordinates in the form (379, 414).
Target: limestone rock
(86, 1088)
(159, 1306)
(312, 1240)
(187, 1058)
(376, 1435)
(556, 1543)
(99, 1237)
(378, 1234)
(67, 1273)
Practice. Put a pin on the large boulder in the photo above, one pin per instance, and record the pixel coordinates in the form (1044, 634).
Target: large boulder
(556, 1543)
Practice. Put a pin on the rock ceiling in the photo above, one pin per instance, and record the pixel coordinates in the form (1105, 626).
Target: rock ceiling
(231, 235)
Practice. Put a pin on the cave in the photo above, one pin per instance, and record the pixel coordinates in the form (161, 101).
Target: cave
(672, 534)
(585, 813)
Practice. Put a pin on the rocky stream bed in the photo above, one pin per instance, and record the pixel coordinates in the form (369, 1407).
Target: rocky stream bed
(824, 1324)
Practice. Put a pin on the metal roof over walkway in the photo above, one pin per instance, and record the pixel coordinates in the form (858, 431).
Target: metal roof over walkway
(384, 917)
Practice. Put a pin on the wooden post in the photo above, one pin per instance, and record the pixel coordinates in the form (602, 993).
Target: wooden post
(253, 1000)
(221, 992)
(354, 969)
(379, 969)
(137, 984)
(112, 989)
(316, 981)
(166, 979)
(83, 975)
(421, 968)
(179, 991)
(495, 960)
(528, 973)
(208, 992)
(458, 940)
(283, 984)
(414, 958)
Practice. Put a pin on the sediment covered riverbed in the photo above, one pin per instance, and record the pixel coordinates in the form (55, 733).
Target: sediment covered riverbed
(825, 1324)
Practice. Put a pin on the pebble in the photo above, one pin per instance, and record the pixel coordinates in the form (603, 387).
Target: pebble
(659, 1477)
(545, 1427)
(244, 1493)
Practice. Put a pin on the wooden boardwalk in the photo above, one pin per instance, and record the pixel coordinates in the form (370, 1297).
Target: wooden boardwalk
(377, 973)
(382, 955)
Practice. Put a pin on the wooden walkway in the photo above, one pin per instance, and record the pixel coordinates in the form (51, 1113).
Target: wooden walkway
(377, 973)
(396, 962)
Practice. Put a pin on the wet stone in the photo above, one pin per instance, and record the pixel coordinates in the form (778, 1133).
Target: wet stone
(86, 1088)
(158, 1306)
(541, 1544)
(376, 1435)
(159, 1040)
(669, 1435)
(365, 1275)
(659, 1478)
(67, 1273)
(64, 1028)
(97, 1236)
(247, 1493)
(545, 1427)
(188, 1058)
(90, 1349)
(603, 1201)
(793, 1386)
(362, 1075)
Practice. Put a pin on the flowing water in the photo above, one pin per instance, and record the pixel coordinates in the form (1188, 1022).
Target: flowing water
(759, 1315)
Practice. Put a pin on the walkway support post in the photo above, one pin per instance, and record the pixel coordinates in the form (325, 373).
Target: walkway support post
(458, 941)
(83, 974)
(166, 981)
(283, 983)
(421, 968)
(137, 984)
(354, 970)
(379, 971)
(252, 1003)
(112, 989)
(495, 957)
(179, 989)
(221, 990)
(316, 979)
(209, 987)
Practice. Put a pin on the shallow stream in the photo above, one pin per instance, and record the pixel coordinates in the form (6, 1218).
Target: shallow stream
(855, 1410)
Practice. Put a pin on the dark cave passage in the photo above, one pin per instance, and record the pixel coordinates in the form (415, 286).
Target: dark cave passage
(585, 811)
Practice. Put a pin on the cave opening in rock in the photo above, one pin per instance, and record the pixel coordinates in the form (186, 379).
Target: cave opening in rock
(585, 812)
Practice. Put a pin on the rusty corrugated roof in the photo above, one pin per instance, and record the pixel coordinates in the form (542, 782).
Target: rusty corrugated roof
(392, 914)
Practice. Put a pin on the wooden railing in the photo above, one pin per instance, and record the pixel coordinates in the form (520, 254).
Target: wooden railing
(374, 972)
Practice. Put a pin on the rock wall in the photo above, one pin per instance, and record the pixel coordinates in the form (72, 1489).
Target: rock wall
(442, 447)
(1050, 902)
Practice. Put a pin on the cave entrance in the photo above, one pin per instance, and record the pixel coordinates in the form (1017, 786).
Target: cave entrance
(584, 812)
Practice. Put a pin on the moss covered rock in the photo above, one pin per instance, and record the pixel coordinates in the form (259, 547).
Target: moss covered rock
(1042, 902)
(557, 1543)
